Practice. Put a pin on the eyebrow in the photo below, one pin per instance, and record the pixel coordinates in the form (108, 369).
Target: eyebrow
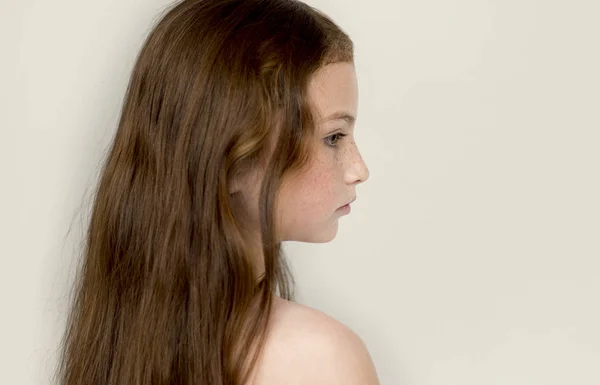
(341, 115)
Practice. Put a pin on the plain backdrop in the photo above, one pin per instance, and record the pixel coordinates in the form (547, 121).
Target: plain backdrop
(472, 254)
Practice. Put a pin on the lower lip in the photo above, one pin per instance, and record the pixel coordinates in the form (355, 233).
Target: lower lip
(344, 209)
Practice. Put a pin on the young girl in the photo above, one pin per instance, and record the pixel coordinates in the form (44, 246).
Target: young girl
(236, 134)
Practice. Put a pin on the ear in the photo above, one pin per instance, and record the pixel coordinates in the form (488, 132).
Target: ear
(234, 186)
(236, 182)
(244, 180)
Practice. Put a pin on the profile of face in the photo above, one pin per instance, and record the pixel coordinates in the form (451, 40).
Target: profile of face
(308, 204)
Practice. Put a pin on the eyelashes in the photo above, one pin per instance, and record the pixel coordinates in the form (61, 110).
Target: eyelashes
(337, 137)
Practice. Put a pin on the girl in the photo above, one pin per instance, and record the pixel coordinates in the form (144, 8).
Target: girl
(236, 134)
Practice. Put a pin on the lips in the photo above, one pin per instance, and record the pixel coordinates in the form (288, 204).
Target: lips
(349, 202)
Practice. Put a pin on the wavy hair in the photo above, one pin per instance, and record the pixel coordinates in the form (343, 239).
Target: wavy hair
(165, 292)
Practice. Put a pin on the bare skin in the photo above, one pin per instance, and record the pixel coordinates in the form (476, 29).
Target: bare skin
(307, 347)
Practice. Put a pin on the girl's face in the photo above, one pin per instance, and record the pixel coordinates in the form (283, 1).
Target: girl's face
(308, 206)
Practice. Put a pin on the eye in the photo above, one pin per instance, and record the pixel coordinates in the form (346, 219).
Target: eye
(334, 136)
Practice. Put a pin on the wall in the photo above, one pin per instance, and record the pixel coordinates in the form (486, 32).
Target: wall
(472, 253)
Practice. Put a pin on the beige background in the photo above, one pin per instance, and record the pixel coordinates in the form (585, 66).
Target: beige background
(472, 254)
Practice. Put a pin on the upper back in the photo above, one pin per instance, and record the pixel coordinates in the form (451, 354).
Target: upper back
(306, 346)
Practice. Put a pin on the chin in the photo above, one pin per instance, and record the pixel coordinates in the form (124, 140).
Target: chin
(324, 236)
(314, 234)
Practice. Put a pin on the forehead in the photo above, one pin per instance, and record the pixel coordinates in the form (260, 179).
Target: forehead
(334, 91)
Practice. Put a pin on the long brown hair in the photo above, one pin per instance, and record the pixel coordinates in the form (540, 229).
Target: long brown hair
(166, 293)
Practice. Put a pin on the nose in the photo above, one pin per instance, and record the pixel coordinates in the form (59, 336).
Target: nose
(358, 172)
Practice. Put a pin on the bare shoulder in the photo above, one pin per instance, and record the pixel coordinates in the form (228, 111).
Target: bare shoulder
(306, 346)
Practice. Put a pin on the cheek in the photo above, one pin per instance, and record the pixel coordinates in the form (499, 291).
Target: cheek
(309, 201)
(316, 189)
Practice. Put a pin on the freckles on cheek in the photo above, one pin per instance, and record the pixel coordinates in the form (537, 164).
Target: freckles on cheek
(317, 189)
